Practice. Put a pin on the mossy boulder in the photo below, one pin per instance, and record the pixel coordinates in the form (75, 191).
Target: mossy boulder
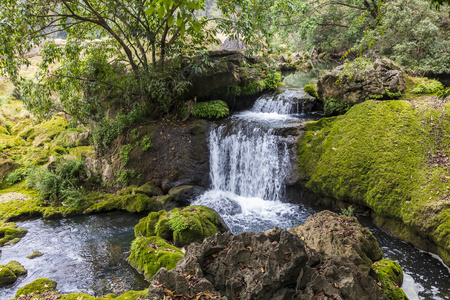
(16, 268)
(6, 276)
(150, 189)
(128, 202)
(181, 226)
(9, 231)
(35, 254)
(390, 275)
(149, 254)
(390, 156)
(38, 286)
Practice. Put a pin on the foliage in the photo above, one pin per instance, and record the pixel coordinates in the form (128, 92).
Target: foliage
(334, 107)
(349, 211)
(176, 223)
(125, 153)
(125, 176)
(134, 134)
(392, 95)
(146, 144)
(430, 86)
(61, 183)
(215, 109)
(16, 176)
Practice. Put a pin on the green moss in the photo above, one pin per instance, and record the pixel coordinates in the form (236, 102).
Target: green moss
(311, 89)
(380, 155)
(16, 268)
(149, 254)
(6, 276)
(130, 203)
(35, 254)
(416, 87)
(428, 86)
(390, 275)
(40, 285)
(9, 231)
(131, 295)
(181, 226)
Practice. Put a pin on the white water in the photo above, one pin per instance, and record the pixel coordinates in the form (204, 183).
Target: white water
(249, 162)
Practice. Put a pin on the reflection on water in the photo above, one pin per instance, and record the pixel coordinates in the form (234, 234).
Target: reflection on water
(82, 254)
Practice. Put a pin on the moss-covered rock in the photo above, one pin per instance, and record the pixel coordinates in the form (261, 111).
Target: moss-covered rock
(9, 231)
(150, 189)
(130, 203)
(149, 254)
(390, 275)
(390, 156)
(16, 268)
(131, 295)
(38, 286)
(6, 276)
(181, 226)
(35, 254)
(185, 193)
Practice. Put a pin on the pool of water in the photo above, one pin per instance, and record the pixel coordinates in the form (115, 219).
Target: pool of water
(82, 254)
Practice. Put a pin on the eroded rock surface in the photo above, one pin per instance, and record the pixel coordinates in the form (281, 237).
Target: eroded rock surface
(334, 235)
(271, 265)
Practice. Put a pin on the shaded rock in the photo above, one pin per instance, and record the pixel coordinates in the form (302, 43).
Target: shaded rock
(16, 268)
(186, 193)
(334, 235)
(381, 80)
(6, 276)
(35, 254)
(271, 265)
(149, 189)
(181, 226)
(38, 286)
(168, 202)
(231, 44)
(149, 254)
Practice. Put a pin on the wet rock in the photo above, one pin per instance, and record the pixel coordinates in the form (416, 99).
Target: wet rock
(16, 268)
(35, 254)
(271, 265)
(184, 194)
(181, 226)
(150, 189)
(6, 276)
(9, 232)
(334, 235)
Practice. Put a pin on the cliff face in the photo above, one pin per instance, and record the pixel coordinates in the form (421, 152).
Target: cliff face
(390, 156)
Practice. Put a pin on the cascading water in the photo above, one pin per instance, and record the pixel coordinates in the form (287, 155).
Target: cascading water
(250, 160)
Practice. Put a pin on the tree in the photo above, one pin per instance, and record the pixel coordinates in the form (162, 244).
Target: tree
(120, 55)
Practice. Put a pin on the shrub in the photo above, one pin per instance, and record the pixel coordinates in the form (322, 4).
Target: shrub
(146, 144)
(16, 176)
(61, 183)
(215, 109)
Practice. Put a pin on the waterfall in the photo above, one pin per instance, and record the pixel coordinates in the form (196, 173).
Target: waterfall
(249, 162)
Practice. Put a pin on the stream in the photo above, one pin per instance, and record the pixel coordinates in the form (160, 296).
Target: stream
(251, 159)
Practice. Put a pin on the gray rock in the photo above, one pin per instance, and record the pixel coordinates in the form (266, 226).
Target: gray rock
(271, 265)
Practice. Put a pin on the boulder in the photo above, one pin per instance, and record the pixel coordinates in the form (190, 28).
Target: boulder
(149, 189)
(231, 44)
(149, 254)
(184, 194)
(16, 268)
(389, 274)
(38, 286)
(381, 80)
(181, 226)
(331, 235)
(228, 69)
(271, 265)
(35, 254)
(6, 276)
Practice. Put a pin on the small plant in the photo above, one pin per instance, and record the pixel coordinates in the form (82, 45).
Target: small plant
(125, 153)
(146, 144)
(16, 176)
(430, 86)
(392, 95)
(134, 134)
(125, 176)
(348, 212)
(177, 223)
